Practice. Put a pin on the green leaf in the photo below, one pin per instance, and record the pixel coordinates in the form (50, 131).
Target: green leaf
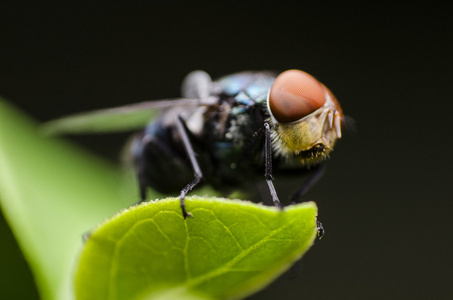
(230, 249)
(51, 194)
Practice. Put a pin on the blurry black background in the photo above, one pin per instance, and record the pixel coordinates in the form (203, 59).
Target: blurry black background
(385, 200)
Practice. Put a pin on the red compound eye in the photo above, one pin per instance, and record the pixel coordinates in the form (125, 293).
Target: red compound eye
(294, 95)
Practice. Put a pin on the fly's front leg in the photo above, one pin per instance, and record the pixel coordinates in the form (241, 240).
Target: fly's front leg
(268, 165)
(193, 161)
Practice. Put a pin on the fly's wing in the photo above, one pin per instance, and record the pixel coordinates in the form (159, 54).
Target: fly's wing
(118, 119)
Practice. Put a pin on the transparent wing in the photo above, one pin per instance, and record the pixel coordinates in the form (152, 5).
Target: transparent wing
(118, 119)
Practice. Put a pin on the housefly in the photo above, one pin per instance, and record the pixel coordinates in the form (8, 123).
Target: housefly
(230, 132)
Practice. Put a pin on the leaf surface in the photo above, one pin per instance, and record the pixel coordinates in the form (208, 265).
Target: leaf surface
(230, 249)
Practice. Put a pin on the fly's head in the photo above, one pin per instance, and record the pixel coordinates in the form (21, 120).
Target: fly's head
(306, 117)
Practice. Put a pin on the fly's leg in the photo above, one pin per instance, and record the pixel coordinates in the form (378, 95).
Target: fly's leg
(141, 179)
(193, 161)
(315, 173)
(320, 229)
(268, 165)
(137, 151)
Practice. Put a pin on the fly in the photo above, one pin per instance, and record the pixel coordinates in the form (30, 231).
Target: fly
(229, 132)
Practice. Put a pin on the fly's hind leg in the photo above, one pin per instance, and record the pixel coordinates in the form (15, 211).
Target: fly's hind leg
(137, 151)
(180, 125)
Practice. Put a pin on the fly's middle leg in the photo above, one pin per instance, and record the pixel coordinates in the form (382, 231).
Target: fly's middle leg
(180, 125)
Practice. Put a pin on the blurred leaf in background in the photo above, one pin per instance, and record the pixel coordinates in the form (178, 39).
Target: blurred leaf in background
(51, 194)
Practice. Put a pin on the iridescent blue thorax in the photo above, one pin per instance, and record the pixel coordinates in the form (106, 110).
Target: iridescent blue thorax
(246, 87)
(233, 128)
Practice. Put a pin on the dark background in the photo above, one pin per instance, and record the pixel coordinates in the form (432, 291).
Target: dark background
(385, 200)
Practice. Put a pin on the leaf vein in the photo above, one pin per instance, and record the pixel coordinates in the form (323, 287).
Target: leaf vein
(226, 267)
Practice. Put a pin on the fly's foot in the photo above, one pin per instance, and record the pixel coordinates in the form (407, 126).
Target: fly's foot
(186, 214)
(320, 229)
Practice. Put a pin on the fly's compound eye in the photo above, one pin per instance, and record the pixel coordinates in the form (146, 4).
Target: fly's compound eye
(294, 95)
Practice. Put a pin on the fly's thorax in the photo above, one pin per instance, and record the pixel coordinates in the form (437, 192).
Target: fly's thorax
(310, 139)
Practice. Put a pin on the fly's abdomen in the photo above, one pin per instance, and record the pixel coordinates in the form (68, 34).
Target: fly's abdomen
(160, 161)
